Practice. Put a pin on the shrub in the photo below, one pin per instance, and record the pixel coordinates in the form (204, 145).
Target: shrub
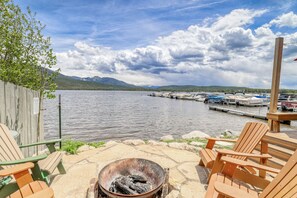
(71, 146)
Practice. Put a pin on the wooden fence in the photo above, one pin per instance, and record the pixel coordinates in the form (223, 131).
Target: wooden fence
(18, 111)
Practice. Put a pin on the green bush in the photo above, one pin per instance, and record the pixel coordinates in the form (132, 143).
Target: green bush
(71, 146)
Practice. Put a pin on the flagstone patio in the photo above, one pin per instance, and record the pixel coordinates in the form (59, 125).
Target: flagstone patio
(186, 178)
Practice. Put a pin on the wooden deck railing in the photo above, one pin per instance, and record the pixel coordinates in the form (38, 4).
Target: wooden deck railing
(279, 146)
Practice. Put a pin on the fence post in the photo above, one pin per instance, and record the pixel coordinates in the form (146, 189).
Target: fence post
(60, 122)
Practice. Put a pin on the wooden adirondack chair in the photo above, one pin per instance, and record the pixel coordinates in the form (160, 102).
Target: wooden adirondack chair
(27, 187)
(249, 138)
(10, 154)
(283, 185)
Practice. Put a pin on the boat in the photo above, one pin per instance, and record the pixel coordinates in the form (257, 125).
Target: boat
(265, 97)
(214, 99)
(200, 97)
(250, 101)
(230, 99)
(290, 104)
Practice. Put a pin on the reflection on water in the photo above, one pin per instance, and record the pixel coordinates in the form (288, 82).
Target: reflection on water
(105, 115)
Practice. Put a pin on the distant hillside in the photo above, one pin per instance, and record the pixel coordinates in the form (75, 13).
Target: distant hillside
(76, 83)
(106, 81)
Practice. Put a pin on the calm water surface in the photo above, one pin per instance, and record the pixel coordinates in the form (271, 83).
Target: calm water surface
(106, 115)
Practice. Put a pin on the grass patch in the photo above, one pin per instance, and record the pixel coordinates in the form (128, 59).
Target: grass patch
(96, 144)
(71, 146)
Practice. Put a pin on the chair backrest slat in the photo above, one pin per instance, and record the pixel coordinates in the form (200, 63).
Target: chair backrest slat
(250, 137)
(9, 150)
(285, 183)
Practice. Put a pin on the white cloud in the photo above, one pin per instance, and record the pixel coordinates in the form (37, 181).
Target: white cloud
(225, 52)
(288, 19)
(264, 31)
(237, 18)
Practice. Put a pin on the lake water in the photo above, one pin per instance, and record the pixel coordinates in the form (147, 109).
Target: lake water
(105, 115)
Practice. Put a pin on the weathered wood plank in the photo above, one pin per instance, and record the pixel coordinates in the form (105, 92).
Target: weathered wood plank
(278, 116)
(29, 135)
(281, 141)
(16, 112)
(2, 103)
(278, 152)
(9, 103)
(22, 118)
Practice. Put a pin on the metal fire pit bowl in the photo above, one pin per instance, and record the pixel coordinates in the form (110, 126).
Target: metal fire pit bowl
(152, 171)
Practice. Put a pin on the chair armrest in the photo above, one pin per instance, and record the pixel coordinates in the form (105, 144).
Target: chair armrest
(21, 161)
(16, 169)
(230, 152)
(230, 191)
(222, 140)
(249, 164)
(40, 143)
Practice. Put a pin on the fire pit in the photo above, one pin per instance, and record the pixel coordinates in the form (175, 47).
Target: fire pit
(131, 177)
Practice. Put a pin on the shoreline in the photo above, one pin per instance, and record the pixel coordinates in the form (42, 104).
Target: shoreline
(192, 142)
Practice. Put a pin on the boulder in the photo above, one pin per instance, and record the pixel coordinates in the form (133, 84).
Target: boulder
(85, 148)
(195, 134)
(197, 144)
(224, 143)
(111, 143)
(166, 138)
(231, 133)
(156, 143)
(134, 142)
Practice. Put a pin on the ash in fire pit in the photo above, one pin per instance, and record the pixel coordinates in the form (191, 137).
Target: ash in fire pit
(130, 185)
(132, 177)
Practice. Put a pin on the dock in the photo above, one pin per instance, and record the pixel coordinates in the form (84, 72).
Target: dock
(241, 113)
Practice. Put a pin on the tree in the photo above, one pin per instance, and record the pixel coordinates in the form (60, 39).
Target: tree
(26, 56)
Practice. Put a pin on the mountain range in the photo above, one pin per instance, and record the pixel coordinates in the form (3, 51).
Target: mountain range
(104, 83)
(95, 83)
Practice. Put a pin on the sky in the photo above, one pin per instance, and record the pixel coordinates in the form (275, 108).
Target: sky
(172, 42)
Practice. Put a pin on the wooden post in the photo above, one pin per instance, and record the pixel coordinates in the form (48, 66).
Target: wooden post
(60, 122)
(264, 150)
(278, 52)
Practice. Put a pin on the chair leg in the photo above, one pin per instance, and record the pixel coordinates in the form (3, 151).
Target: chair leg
(217, 166)
(38, 174)
(8, 189)
(61, 168)
(201, 163)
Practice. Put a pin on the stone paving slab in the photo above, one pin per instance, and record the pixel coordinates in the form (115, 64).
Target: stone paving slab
(186, 178)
